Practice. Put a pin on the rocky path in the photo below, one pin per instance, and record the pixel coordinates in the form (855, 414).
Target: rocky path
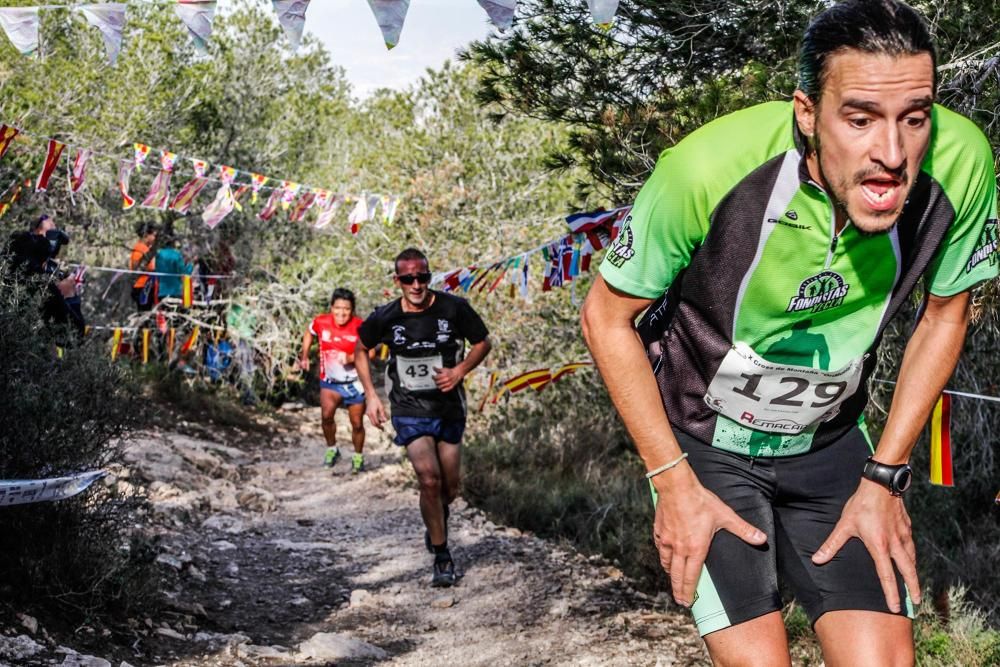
(273, 560)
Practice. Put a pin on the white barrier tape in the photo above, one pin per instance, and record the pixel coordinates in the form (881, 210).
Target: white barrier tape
(22, 491)
(981, 397)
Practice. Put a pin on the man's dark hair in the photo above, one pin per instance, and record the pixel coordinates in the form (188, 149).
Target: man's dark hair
(409, 253)
(144, 228)
(345, 294)
(36, 223)
(872, 26)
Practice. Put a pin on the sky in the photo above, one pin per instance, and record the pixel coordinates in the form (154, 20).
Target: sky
(433, 31)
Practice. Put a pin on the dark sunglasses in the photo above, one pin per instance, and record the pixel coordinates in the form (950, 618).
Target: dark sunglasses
(410, 278)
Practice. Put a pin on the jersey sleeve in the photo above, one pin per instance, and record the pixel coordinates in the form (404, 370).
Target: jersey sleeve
(968, 253)
(370, 331)
(470, 324)
(312, 327)
(668, 221)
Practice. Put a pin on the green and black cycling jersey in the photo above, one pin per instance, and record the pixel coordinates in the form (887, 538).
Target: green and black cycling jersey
(738, 246)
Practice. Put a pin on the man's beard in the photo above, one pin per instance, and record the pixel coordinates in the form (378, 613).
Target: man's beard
(839, 190)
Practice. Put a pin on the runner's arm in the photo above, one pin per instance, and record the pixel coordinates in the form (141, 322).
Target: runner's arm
(873, 515)
(687, 514)
(307, 341)
(449, 378)
(373, 405)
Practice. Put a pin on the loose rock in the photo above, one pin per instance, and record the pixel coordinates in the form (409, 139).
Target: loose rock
(332, 646)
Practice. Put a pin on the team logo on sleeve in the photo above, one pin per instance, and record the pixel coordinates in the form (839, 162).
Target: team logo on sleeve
(621, 250)
(986, 248)
(823, 291)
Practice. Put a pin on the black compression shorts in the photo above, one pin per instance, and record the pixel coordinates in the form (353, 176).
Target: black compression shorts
(796, 500)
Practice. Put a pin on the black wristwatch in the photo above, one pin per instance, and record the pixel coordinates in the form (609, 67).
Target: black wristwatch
(895, 478)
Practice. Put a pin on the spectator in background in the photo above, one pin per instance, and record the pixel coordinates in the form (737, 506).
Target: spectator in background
(171, 262)
(143, 258)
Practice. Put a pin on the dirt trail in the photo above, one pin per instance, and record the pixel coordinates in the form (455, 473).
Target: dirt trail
(274, 560)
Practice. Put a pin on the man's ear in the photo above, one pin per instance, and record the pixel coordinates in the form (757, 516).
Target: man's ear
(805, 114)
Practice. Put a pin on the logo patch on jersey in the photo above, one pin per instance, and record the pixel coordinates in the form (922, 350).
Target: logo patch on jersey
(791, 215)
(398, 335)
(986, 248)
(621, 250)
(823, 291)
(326, 336)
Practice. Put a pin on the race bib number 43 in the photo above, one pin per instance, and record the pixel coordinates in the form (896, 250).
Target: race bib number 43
(417, 373)
(778, 398)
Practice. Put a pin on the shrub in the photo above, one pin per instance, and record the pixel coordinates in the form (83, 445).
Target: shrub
(79, 557)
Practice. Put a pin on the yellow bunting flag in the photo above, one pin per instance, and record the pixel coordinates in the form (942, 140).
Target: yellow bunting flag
(536, 379)
(145, 346)
(187, 291)
(116, 341)
(493, 380)
(171, 338)
(191, 341)
(941, 442)
(569, 368)
(384, 353)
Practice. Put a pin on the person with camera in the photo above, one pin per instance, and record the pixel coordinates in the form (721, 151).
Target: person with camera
(33, 254)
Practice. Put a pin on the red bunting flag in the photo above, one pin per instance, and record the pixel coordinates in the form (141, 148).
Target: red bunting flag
(941, 442)
(78, 169)
(271, 207)
(191, 341)
(159, 193)
(7, 134)
(187, 291)
(189, 192)
(124, 174)
(304, 203)
(52, 156)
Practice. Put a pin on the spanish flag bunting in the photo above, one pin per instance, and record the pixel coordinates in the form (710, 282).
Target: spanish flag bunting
(7, 134)
(145, 346)
(536, 379)
(941, 442)
(140, 152)
(52, 156)
(116, 341)
(124, 174)
(257, 181)
(566, 369)
(191, 341)
(187, 291)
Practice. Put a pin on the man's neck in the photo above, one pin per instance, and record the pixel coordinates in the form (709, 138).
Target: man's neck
(816, 174)
(410, 308)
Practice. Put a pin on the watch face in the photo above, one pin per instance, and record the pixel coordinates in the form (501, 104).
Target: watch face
(903, 478)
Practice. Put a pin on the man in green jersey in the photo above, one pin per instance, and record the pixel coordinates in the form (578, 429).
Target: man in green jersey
(769, 250)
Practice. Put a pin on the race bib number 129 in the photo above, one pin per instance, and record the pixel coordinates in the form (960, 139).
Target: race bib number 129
(417, 373)
(778, 398)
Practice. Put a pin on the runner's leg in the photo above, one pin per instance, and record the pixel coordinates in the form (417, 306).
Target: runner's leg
(450, 457)
(329, 401)
(759, 641)
(356, 412)
(850, 637)
(422, 453)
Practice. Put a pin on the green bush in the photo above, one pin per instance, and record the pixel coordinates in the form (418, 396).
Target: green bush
(79, 557)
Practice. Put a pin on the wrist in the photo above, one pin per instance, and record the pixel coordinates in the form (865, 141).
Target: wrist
(895, 478)
(681, 476)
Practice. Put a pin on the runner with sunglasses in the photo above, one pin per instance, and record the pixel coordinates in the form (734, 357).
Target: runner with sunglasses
(425, 332)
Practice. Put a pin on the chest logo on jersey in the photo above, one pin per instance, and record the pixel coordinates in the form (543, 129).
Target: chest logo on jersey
(444, 331)
(326, 336)
(399, 335)
(823, 291)
(621, 250)
(986, 248)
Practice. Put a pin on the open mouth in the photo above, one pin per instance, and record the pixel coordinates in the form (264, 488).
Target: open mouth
(881, 194)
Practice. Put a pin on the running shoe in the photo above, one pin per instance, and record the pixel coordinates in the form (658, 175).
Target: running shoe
(357, 463)
(331, 457)
(444, 572)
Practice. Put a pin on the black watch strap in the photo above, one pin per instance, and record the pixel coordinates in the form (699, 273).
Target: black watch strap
(896, 478)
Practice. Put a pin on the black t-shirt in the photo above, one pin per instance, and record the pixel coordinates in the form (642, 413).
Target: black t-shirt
(418, 343)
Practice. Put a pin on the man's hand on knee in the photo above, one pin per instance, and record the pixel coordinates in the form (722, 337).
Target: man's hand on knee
(880, 521)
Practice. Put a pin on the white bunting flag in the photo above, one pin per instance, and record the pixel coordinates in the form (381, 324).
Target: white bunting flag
(328, 211)
(21, 26)
(360, 213)
(292, 17)
(389, 205)
(501, 12)
(197, 15)
(110, 20)
(224, 203)
(390, 15)
(373, 202)
(603, 12)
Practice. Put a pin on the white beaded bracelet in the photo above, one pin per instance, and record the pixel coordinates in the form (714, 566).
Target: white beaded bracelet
(653, 473)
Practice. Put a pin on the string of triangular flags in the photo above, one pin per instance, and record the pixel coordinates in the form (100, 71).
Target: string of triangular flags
(536, 379)
(296, 198)
(21, 24)
(564, 258)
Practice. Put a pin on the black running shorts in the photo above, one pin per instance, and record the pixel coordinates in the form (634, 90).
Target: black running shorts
(796, 500)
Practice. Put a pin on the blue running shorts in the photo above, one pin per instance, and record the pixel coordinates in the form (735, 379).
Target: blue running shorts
(409, 429)
(351, 391)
